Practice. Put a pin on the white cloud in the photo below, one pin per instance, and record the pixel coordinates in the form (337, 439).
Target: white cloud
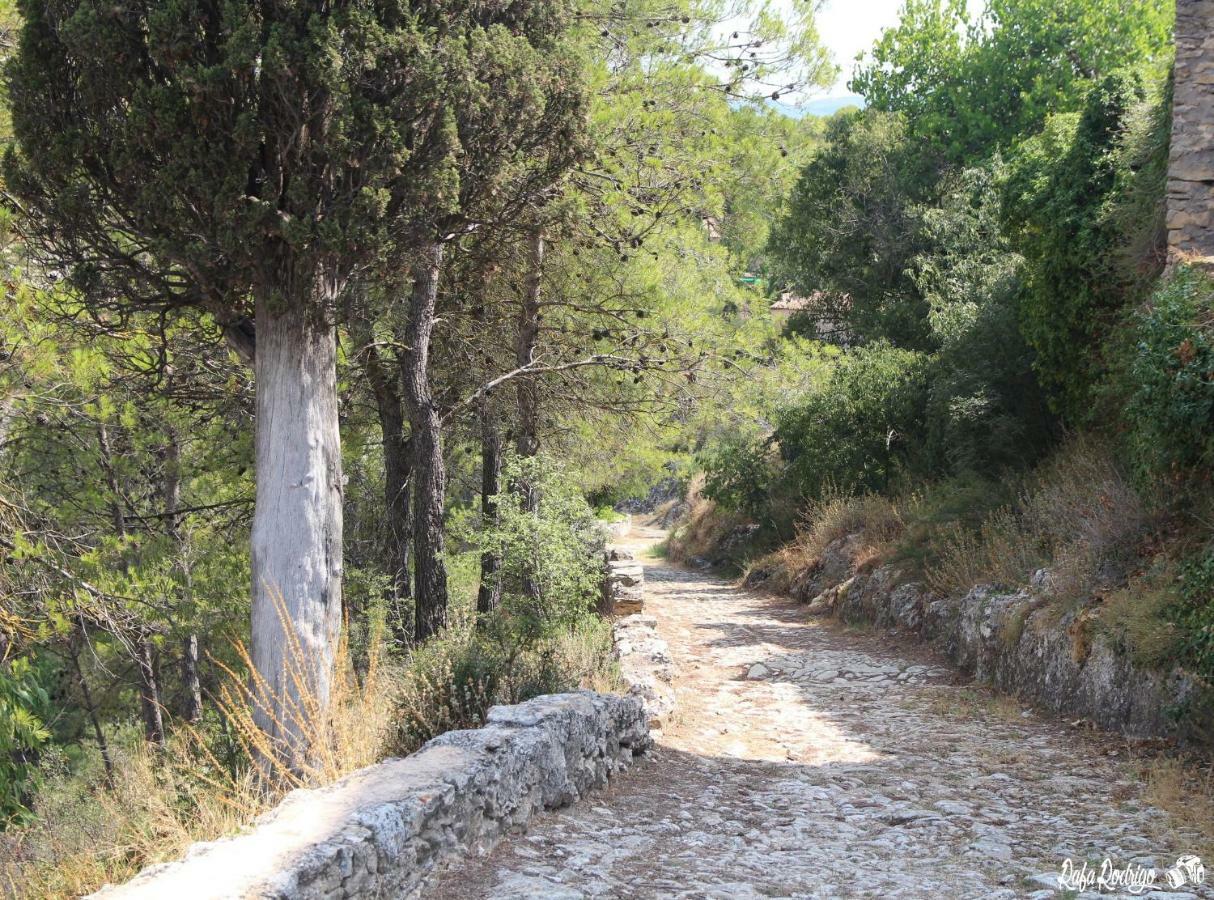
(849, 27)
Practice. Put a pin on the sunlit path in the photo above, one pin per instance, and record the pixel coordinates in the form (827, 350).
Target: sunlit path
(808, 761)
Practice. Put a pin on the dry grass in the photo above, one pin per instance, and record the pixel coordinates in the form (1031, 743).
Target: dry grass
(876, 519)
(1135, 615)
(1184, 789)
(87, 834)
(452, 680)
(973, 702)
(1001, 552)
(202, 786)
(1079, 516)
(336, 737)
(1082, 500)
(704, 527)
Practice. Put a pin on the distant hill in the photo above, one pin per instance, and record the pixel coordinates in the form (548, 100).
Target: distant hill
(819, 106)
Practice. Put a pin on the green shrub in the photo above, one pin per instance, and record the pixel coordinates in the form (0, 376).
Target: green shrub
(1193, 613)
(738, 475)
(23, 702)
(552, 555)
(863, 428)
(985, 412)
(1057, 195)
(451, 681)
(1170, 410)
(931, 515)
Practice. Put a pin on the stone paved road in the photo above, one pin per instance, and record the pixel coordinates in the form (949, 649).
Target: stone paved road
(808, 761)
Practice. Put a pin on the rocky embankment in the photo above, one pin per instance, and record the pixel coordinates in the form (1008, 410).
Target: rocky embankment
(1015, 640)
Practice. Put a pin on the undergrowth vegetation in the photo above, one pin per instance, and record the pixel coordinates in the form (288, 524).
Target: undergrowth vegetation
(102, 820)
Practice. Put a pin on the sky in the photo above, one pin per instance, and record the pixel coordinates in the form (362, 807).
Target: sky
(848, 27)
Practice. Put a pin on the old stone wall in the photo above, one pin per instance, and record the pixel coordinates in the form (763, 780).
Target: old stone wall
(646, 666)
(1191, 166)
(384, 830)
(1016, 641)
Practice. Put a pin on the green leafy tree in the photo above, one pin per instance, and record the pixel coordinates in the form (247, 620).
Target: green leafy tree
(985, 413)
(23, 702)
(551, 551)
(262, 154)
(851, 228)
(969, 87)
(1057, 193)
(862, 430)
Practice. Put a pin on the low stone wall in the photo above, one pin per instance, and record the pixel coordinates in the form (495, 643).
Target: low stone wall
(1018, 643)
(646, 666)
(623, 590)
(384, 830)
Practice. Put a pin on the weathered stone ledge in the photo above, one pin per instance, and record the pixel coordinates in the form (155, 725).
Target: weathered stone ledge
(384, 830)
(1017, 642)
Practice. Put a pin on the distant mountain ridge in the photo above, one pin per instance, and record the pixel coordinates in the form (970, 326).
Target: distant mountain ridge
(819, 106)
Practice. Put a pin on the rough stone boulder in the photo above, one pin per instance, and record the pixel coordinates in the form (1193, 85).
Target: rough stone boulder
(383, 830)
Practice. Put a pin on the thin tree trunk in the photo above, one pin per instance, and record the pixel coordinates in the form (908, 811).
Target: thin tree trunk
(106, 455)
(191, 704)
(398, 469)
(527, 442)
(191, 688)
(149, 693)
(148, 687)
(90, 708)
(429, 474)
(297, 521)
(489, 597)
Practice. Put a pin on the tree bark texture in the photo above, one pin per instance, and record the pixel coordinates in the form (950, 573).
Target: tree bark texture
(297, 522)
(191, 683)
(149, 693)
(429, 473)
(527, 335)
(398, 470)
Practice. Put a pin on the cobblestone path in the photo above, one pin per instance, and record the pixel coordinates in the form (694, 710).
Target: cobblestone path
(805, 760)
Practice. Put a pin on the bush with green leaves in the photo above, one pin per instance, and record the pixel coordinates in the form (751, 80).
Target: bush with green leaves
(850, 229)
(23, 701)
(1060, 187)
(1194, 613)
(1170, 410)
(451, 681)
(985, 410)
(738, 474)
(552, 555)
(862, 429)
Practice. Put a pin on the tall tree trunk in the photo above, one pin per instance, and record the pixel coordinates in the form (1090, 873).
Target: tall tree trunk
(429, 474)
(527, 442)
(489, 597)
(145, 665)
(398, 469)
(297, 522)
(90, 708)
(190, 701)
